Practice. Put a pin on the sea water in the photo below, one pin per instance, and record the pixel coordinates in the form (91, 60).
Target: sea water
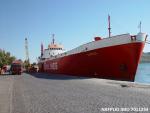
(143, 73)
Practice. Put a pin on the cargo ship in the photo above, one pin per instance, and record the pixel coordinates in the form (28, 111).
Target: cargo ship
(113, 57)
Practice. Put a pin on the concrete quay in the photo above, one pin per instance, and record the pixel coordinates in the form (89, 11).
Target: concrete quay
(48, 93)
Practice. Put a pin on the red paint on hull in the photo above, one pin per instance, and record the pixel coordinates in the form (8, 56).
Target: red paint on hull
(115, 62)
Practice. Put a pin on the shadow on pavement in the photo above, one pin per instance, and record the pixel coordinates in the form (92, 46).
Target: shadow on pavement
(5, 74)
(56, 76)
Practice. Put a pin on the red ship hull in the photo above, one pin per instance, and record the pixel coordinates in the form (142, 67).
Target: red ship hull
(117, 62)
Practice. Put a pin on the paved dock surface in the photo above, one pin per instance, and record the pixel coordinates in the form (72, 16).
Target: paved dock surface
(43, 93)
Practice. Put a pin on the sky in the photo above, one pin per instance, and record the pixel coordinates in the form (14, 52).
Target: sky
(74, 22)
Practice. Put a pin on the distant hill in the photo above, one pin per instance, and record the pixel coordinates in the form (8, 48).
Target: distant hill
(145, 57)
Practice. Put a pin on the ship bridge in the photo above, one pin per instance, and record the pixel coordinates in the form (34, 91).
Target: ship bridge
(55, 47)
(52, 50)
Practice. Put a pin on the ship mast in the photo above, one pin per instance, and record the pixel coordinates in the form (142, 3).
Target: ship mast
(109, 28)
(53, 39)
(140, 25)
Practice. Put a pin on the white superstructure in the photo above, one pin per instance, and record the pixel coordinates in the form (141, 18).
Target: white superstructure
(52, 50)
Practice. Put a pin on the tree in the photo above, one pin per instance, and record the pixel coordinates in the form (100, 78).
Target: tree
(6, 58)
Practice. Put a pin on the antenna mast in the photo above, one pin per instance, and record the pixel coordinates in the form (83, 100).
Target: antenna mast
(109, 28)
(26, 50)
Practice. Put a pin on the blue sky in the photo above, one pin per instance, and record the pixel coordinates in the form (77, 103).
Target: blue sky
(73, 22)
